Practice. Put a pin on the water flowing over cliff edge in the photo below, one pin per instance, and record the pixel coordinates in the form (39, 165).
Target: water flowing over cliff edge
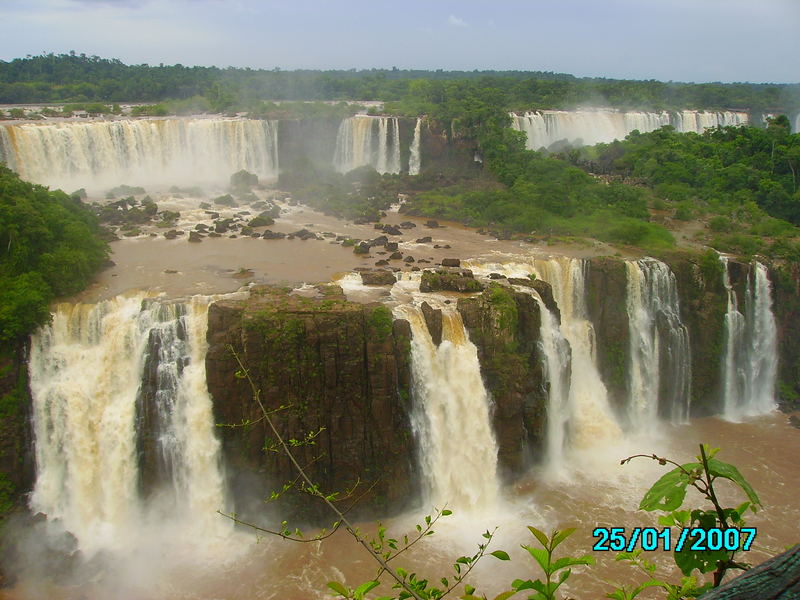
(524, 363)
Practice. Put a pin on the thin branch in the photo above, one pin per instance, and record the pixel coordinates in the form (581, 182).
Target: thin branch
(280, 534)
(342, 518)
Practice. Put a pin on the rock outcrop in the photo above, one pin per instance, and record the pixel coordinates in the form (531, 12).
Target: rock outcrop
(329, 368)
(504, 325)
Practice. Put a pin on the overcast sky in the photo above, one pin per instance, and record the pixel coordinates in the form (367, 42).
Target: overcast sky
(679, 40)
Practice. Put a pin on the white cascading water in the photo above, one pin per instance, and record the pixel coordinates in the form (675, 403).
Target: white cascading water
(363, 140)
(100, 154)
(556, 357)
(414, 162)
(591, 417)
(87, 380)
(750, 364)
(588, 127)
(588, 415)
(659, 368)
(451, 416)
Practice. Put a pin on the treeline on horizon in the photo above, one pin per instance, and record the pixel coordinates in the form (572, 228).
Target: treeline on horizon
(80, 78)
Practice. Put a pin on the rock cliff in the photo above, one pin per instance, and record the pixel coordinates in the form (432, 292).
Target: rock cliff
(504, 325)
(329, 368)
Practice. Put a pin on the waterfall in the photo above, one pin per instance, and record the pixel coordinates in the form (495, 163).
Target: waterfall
(414, 156)
(363, 140)
(100, 154)
(578, 412)
(659, 367)
(591, 417)
(555, 351)
(451, 416)
(750, 362)
(588, 127)
(96, 372)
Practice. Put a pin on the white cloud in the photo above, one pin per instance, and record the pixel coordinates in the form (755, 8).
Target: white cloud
(455, 21)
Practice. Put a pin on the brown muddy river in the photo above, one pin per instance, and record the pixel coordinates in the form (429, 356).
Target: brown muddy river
(597, 491)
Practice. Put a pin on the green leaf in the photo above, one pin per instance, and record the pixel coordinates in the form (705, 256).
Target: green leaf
(505, 595)
(539, 535)
(447, 513)
(704, 561)
(339, 589)
(541, 557)
(667, 493)
(364, 588)
(569, 561)
(500, 555)
(519, 585)
(560, 536)
(469, 589)
(717, 468)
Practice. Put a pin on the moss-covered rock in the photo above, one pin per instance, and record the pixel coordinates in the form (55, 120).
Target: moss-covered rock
(504, 324)
(455, 280)
(338, 368)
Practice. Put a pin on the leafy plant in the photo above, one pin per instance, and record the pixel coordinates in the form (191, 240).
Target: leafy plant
(668, 495)
(556, 571)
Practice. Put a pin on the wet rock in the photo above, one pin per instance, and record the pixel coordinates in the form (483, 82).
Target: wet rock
(496, 276)
(341, 366)
(262, 220)
(201, 227)
(432, 224)
(451, 262)
(378, 277)
(273, 235)
(424, 240)
(407, 225)
(433, 318)
(361, 248)
(305, 234)
(452, 281)
(392, 230)
(396, 256)
(214, 234)
(382, 263)
(171, 234)
(379, 241)
(195, 237)
(543, 289)
(391, 246)
(408, 259)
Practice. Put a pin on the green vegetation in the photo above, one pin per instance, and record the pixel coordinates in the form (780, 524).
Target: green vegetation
(49, 247)
(79, 78)
(360, 195)
(380, 322)
(535, 193)
(743, 180)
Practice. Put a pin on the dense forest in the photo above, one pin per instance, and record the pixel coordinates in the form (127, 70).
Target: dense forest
(80, 78)
(50, 246)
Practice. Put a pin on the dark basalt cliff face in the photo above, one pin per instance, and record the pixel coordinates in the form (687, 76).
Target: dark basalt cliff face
(786, 294)
(606, 290)
(504, 325)
(341, 370)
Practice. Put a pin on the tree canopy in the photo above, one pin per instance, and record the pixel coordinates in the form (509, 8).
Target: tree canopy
(49, 246)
